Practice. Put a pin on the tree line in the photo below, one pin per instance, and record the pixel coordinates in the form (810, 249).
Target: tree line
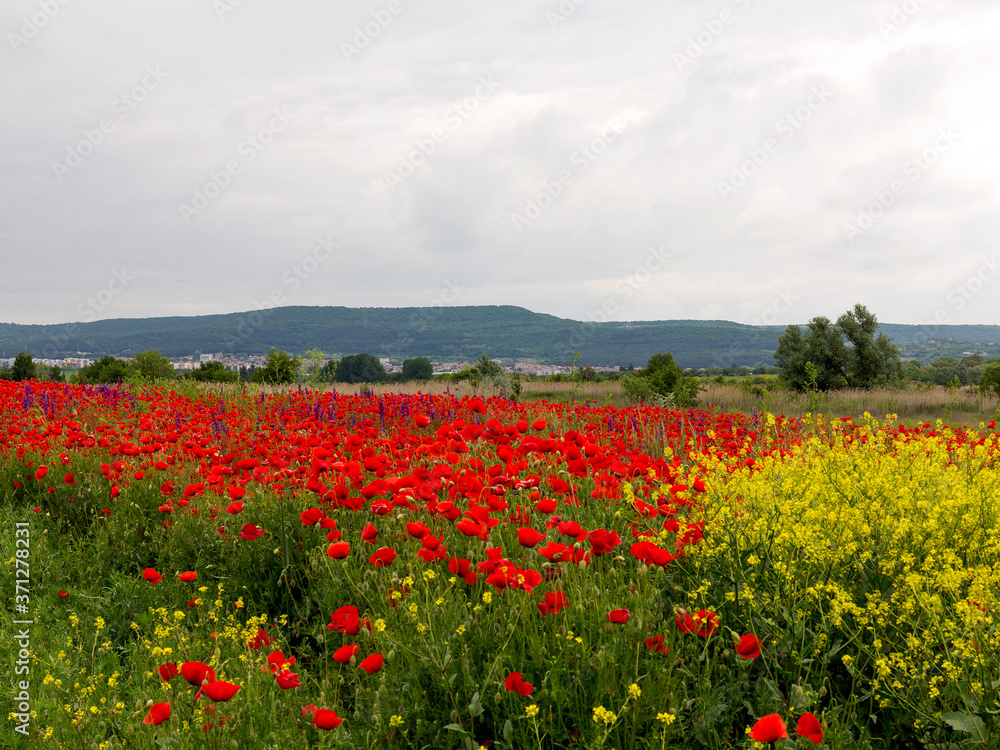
(828, 355)
(851, 353)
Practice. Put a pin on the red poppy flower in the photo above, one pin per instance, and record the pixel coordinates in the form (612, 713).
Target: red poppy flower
(41, 472)
(197, 673)
(287, 679)
(748, 646)
(572, 529)
(158, 713)
(339, 550)
(69, 478)
(538, 424)
(325, 718)
(429, 541)
(276, 661)
(236, 493)
(115, 492)
(529, 537)
(311, 516)
(603, 541)
(263, 640)
(546, 505)
(187, 576)
(343, 654)
(167, 671)
(517, 684)
(416, 529)
(371, 664)
(618, 616)
(220, 691)
(809, 727)
(345, 620)
(194, 489)
(463, 569)
(471, 527)
(432, 555)
(250, 532)
(769, 728)
(554, 551)
(369, 534)
(234, 508)
(421, 420)
(656, 645)
(62, 593)
(383, 557)
(703, 623)
(152, 576)
(554, 602)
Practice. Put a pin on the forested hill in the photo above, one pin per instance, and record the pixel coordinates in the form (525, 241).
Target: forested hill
(452, 334)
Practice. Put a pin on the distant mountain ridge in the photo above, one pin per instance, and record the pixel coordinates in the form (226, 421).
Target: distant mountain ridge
(455, 334)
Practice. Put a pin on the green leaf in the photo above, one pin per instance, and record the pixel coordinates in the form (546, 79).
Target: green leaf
(457, 728)
(508, 731)
(963, 722)
(476, 707)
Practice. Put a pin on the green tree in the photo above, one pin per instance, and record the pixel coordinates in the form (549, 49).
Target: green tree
(328, 372)
(487, 367)
(872, 360)
(56, 374)
(23, 367)
(281, 369)
(419, 368)
(848, 353)
(359, 368)
(990, 381)
(662, 373)
(213, 372)
(152, 366)
(664, 379)
(313, 362)
(945, 369)
(107, 369)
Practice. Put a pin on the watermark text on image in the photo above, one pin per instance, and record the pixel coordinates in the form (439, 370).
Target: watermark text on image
(786, 126)
(581, 158)
(562, 13)
(292, 279)
(714, 28)
(900, 16)
(914, 168)
(22, 627)
(453, 119)
(31, 26)
(220, 179)
(370, 30)
(122, 106)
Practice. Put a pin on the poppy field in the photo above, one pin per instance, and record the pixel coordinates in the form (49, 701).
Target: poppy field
(302, 569)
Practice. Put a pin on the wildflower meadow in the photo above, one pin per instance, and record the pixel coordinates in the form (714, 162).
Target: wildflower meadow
(242, 568)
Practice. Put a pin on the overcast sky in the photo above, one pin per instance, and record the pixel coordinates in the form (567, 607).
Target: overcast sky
(761, 162)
